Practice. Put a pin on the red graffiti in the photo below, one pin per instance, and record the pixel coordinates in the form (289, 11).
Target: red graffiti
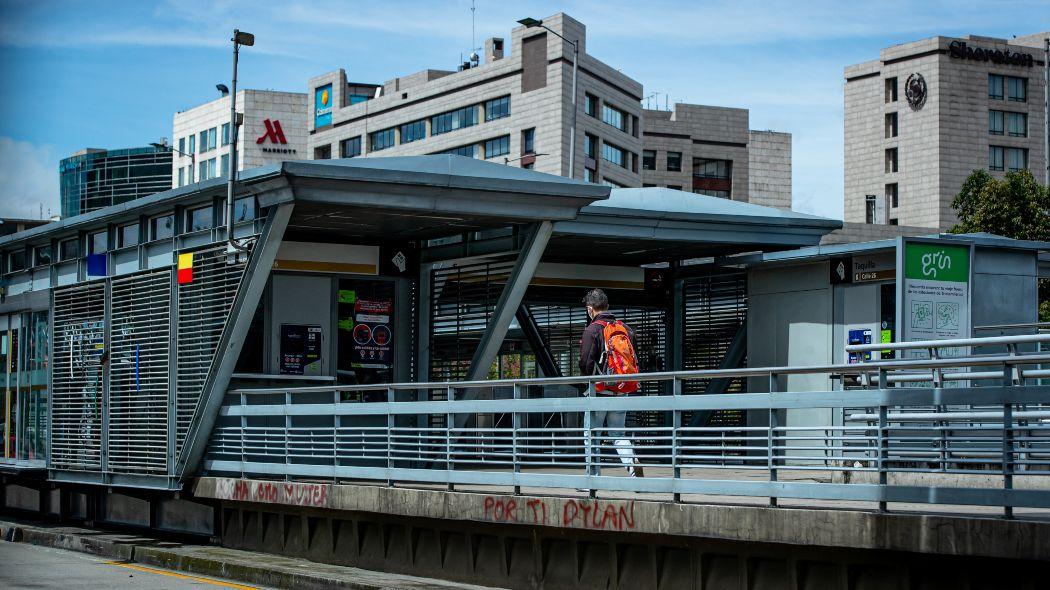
(594, 514)
(578, 514)
(299, 494)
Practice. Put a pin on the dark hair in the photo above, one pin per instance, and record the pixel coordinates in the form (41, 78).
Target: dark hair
(596, 300)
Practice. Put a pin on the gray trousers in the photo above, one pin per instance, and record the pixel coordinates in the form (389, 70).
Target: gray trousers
(613, 423)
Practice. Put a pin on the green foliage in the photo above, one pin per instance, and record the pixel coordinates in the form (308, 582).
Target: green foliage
(1015, 207)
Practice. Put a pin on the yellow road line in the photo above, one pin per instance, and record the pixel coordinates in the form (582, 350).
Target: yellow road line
(170, 574)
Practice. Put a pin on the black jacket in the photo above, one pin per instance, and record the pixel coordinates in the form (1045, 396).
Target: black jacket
(592, 343)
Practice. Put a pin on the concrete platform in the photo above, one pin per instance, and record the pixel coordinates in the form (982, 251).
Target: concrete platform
(977, 533)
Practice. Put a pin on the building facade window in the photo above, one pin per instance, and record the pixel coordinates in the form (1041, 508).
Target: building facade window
(891, 194)
(244, 209)
(995, 86)
(98, 242)
(381, 140)
(162, 226)
(1016, 159)
(192, 146)
(182, 145)
(42, 255)
(225, 134)
(1017, 124)
(528, 141)
(414, 131)
(225, 166)
(870, 208)
(588, 175)
(674, 161)
(996, 158)
(612, 183)
(996, 122)
(469, 151)
(452, 120)
(199, 219)
(675, 187)
(208, 137)
(712, 192)
(891, 125)
(189, 174)
(69, 249)
(16, 261)
(128, 235)
(891, 160)
(891, 90)
(182, 176)
(590, 144)
(499, 146)
(1016, 89)
(708, 168)
(590, 105)
(614, 116)
(206, 169)
(648, 159)
(613, 154)
(497, 108)
(350, 148)
(324, 152)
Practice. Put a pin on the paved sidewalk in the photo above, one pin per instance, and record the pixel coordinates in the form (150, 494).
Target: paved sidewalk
(257, 569)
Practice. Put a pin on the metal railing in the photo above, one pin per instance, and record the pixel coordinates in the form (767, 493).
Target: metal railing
(969, 443)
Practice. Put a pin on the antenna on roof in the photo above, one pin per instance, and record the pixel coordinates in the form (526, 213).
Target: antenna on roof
(474, 57)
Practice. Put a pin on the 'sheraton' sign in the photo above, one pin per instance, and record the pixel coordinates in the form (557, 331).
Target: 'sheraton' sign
(959, 50)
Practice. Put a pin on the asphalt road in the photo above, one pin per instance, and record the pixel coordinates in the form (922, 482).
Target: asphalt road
(30, 566)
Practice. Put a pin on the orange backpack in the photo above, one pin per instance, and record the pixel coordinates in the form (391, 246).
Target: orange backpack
(617, 358)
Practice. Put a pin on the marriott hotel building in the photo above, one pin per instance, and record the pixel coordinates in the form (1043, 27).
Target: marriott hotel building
(923, 116)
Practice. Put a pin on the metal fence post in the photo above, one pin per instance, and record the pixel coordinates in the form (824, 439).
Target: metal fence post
(287, 436)
(450, 420)
(515, 425)
(676, 423)
(336, 420)
(389, 439)
(771, 439)
(588, 441)
(243, 434)
(1008, 443)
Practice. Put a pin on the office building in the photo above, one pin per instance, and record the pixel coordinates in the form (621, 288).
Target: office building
(923, 116)
(516, 108)
(95, 178)
(274, 130)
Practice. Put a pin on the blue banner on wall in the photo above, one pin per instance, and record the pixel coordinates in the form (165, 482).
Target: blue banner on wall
(323, 106)
(96, 265)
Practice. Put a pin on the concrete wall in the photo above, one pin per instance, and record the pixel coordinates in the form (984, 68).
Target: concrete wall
(769, 169)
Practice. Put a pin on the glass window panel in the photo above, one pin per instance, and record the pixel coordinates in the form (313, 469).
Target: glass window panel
(382, 139)
(995, 122)
(162, 227)
(674, 161)
(128, 235)
(1017, 124)
(199, 219)
(414, 131)
(1016, 159)
(613, 154)
(528, 139)
(98, 242)
(995, 158)
(1017, 89)
(42, 255)
(499, 146)
(648, 160)
(497, 108)
(244, 209)
(995, 86)
(350, 148)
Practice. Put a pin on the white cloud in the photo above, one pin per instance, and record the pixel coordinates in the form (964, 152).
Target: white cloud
(28, 178)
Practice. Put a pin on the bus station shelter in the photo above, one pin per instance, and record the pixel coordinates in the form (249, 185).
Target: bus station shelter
(124, 328)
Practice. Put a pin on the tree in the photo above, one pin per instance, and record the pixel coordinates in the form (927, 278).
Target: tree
(1015, 207)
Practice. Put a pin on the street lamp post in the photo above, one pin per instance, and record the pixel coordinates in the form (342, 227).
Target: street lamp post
(246, 39)
(164, 146)
(531, 23)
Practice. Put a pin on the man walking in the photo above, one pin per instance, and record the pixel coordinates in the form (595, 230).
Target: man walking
(607, 348)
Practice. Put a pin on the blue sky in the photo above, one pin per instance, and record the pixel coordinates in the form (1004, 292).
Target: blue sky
(111, 74)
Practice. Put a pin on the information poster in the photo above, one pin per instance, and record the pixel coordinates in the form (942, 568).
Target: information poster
(372, 337)
(936, 295)
(300, 349)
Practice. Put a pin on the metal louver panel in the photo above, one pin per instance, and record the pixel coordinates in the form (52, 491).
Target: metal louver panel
(204, 307)
(140, 316)
(715, 309)
(76, 378)
(462, 299)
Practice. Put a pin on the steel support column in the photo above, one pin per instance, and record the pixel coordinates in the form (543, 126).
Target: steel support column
(510, 299)
(229, 349)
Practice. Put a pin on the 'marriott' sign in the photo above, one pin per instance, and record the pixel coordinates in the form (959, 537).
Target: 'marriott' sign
(959, 50)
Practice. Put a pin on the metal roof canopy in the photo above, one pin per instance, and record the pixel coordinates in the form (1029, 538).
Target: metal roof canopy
(645, 225)
(814, 253)
(411, 197)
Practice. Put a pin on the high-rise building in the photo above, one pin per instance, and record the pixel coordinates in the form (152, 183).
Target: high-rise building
(95, 178)
(516, 108)
(923, 116)
(274, 130)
